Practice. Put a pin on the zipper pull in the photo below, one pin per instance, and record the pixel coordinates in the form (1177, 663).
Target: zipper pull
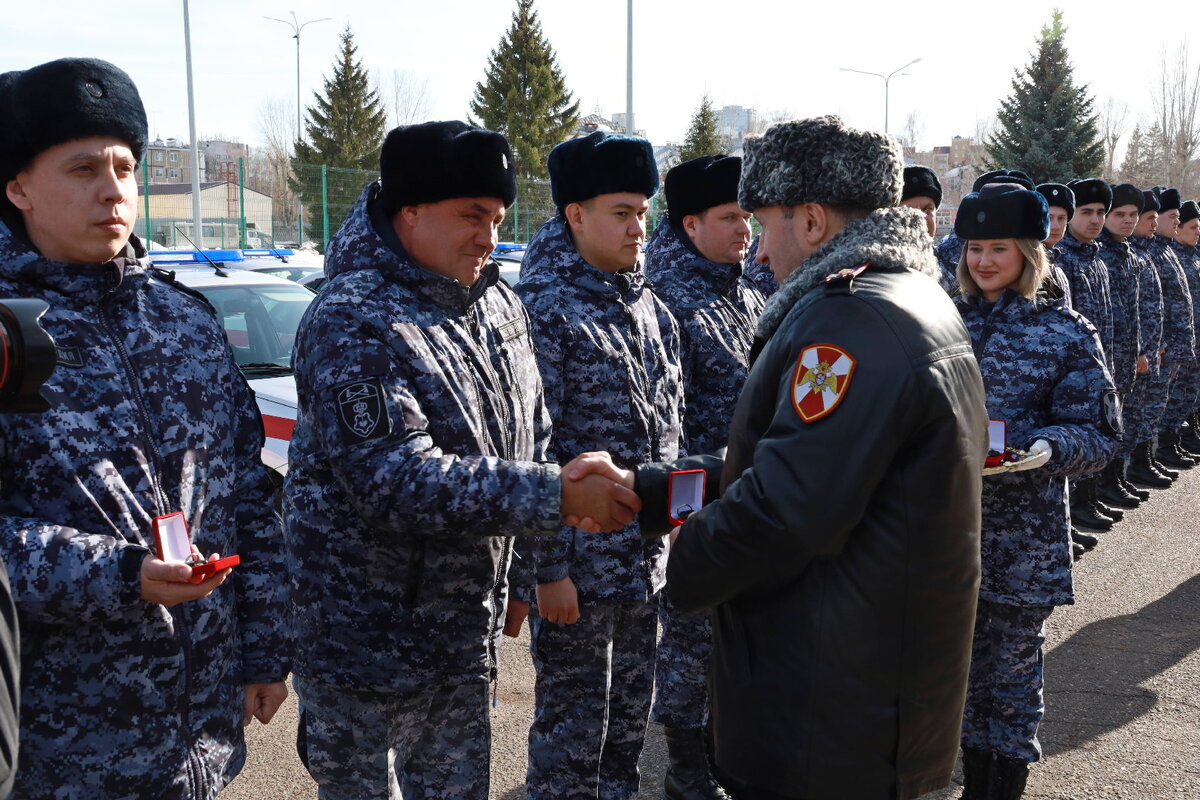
(495, 681)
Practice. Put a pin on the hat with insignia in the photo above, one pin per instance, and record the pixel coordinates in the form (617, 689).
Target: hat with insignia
(1189, 211)
(64, 100)
(601, 163)
(1168, 199)
(1126, 194)
(1003, 176)
(921, 182)
(1092, 190)
(701, 183)
(821, 160)
(1150, 201)
(1003, 211)
(436, 161)
(1058, 194)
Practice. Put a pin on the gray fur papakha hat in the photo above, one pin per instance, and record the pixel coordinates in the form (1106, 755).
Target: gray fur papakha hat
(820, 160)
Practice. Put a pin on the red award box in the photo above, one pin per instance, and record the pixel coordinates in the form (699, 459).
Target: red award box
(685, 494)
(173, 545)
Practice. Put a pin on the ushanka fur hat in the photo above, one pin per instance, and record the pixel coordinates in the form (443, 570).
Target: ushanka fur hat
(1003, 211)
(601, 163)
(64, 100)
(701, 183)
(1150, 201)
(921, 182)
(1126, 194)
(1092, 190)
(1168, 199)
(1058, 194)
(1189, 211)
(1003, 176)
(822, 161)
(436, 161)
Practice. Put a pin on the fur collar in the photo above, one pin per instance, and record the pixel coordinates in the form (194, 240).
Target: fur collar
(891, 239)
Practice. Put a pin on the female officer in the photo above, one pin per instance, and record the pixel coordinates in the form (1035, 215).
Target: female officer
(1045, 377)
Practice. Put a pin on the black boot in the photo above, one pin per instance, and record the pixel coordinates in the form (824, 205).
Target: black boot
(1084, 540)
(1008, 779)
(688, 775)
(1181, 451)
(1157, 465)
(1077, 551)
(1191, 437)
(1112, 493)
(1169, 453)
(1083, 514)
(977, 768)
(1141, 494)
(1160, 458)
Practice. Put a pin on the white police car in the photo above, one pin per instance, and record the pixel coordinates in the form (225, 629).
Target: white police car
(261, 314)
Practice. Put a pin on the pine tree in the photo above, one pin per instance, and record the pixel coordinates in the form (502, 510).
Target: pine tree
(345, 129)
(524, 94)
(1047, 126)
(702, 138)
(1140, 164)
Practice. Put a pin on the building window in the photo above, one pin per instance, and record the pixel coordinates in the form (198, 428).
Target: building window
(158, 156)
(172, 173)
(174, 156)
(158, 172)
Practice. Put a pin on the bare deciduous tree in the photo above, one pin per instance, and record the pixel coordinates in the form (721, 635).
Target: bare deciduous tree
(405, 96)
(1114, 117)
(1176, 100)
(269, 165)
(913, 131)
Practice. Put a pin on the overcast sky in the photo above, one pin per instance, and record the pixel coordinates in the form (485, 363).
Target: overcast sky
(773, 55)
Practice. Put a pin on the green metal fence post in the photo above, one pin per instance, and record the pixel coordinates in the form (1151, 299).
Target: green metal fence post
(146, 204)
(516, 219)
(325, 205)
(242, 197)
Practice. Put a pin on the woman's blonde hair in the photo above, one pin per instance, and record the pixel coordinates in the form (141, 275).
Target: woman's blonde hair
(1037, 268)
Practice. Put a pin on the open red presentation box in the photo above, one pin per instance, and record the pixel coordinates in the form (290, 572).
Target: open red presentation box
(685, 494)
(174, 546)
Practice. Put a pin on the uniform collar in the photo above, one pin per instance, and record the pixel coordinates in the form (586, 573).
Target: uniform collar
(672, 252)
(553, 258)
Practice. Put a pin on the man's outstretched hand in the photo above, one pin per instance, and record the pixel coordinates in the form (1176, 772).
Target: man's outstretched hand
(597, 495)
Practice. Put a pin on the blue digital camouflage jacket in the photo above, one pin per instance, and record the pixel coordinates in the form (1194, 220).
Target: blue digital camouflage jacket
(1087, 275)
(1179, 334)
(759, 274)
(1123, 266)
(1189, 259)
(608, 350)
(1045, 376)
(949, 253)
(717, 309)
(149, 415)
(1150, 302)
(419, 452)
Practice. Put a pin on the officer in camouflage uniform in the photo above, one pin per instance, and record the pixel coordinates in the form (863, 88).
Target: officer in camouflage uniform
(759, 274)
(419, 451)
(1148, 394)
(1186, 238)
(136, 682)
(1179, 334)
(949, 252)
(1045, 376)
(1123, 267)
(694, 263)
(922, 191)
(1087, 276)
(1062, 207)
(608, 351)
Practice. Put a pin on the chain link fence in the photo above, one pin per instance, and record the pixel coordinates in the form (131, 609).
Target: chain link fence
(308, 208)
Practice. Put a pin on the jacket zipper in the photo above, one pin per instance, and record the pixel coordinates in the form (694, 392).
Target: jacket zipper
(161, 504)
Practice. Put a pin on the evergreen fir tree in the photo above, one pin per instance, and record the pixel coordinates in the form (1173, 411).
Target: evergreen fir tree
(524, 94)
(345, 129)
(1047, 126)
(1139, 166)
(702, 138)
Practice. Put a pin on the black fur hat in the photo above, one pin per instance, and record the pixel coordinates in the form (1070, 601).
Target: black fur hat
(921, 182)
(1003, 176)
(821, 160)
(1189, 211)
(1092, 190)
(601, 163)
(1150, 201)
(64, 100)
(701, 183)
(1168, 199)
(1058, 194)
(1003, 211)
(1126, 194)
(436, 161)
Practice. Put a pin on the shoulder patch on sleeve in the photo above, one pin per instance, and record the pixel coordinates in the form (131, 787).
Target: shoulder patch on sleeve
(1110, 413)
(820, 380)
(362, 411)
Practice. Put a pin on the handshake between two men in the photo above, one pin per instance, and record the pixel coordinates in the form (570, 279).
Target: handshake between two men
(597, 497)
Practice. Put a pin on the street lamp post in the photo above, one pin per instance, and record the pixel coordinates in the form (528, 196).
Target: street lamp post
(886, 86)
(296, 27)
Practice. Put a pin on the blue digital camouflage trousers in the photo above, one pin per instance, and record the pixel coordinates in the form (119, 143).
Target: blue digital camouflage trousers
(1155, 401)
(395, 746)
(681, 667)
(595, 678)
(1004, 691)
(1181, 399)
(1131, 417)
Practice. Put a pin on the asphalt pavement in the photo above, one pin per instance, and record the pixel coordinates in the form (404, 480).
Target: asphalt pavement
(1122, 681)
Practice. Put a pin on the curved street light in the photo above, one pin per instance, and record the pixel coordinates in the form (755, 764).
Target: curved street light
(886, 85)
